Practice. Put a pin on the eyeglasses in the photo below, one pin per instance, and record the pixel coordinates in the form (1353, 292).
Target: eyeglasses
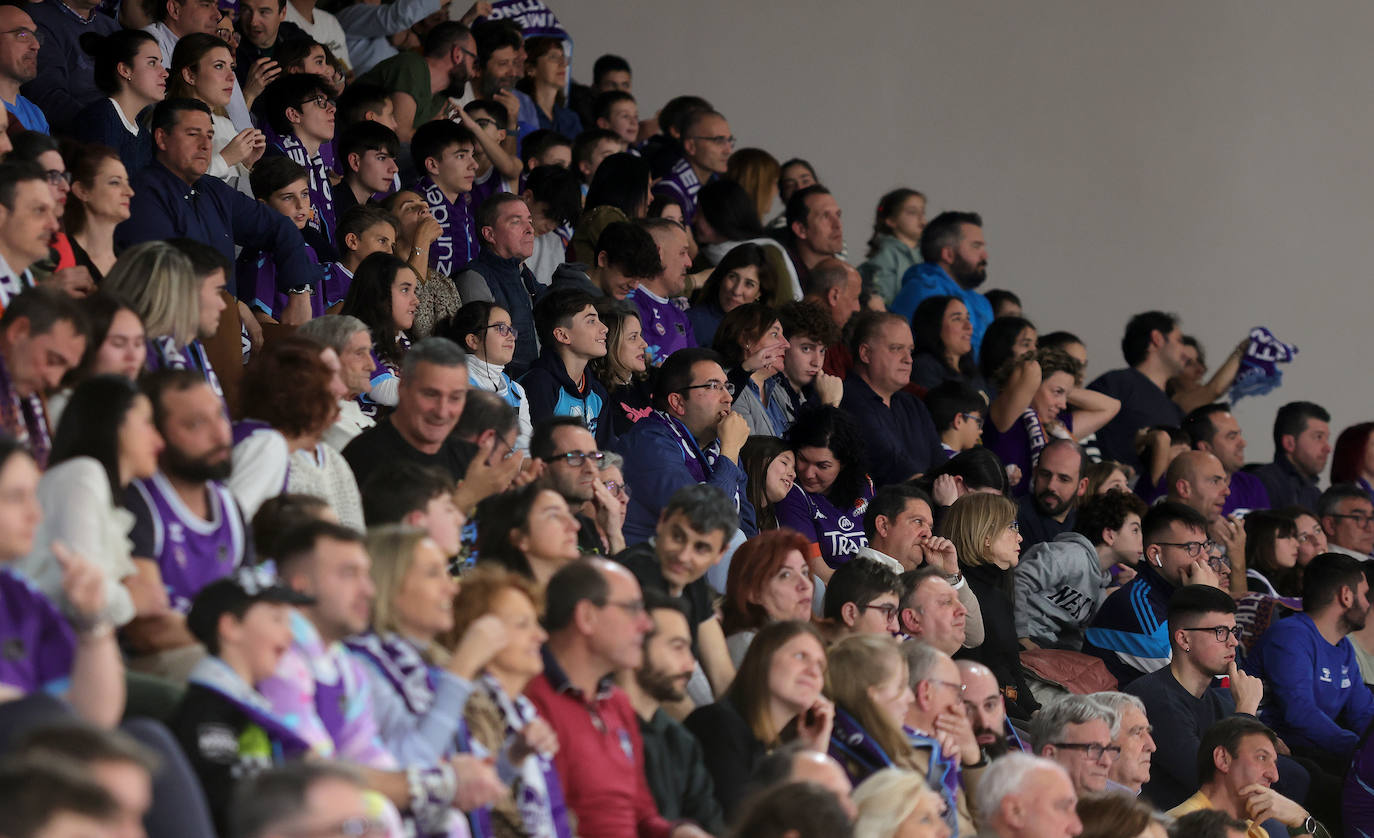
(485, 122)
(959, 688)
(577, 458)
(618, 488)
(25, 36)
(718, 140)
(57, 178)
(1360, 520)
(510, 452)
(1220, 632)
(322, 102)
(976, 418)
(1192, 548)
(1093, 750)
(1219, 563)
(713, 386)
(469, 53)
(351, 828)
(633, 607)
(889, 610)
(505, 330)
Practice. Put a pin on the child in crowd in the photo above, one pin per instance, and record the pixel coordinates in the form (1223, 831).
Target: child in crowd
(367, 162)
(363, 231)
(558, 383)
(300, 109)
(958, 412)
(443, 151)
(283, 185)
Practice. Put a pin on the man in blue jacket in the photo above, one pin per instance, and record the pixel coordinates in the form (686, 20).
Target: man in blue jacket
(954, 262)
(173, 198)
(691, 437)
(1319, 703)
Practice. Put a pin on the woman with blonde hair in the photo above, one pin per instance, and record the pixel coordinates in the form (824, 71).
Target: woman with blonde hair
(868, 683)
(893, 803)
(419, 689)
(757, 171)
(501, 721)
(987, 539)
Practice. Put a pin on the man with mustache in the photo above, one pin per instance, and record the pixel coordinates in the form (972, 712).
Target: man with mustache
(188, 529)
(1057, 482)
(954, 262)
(423, 82)
(673, 762)
(987, 710)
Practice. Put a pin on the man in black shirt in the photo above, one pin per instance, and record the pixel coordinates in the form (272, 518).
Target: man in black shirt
(692, 533)
(1302, 442)
(1153, 348)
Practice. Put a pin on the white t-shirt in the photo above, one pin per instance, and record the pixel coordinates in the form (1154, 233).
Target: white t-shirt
(325, 29)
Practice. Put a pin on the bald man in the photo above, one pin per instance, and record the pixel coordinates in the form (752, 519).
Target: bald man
(1199, 480)
(835, 285)
(986, 710)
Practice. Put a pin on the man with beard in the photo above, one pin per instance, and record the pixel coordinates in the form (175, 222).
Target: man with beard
(188, 530)
(1302, 442)
(423, 82)
(1057, 482)
(665, 325)
(500, 46)
(264, 27)
(1154, 352)
(673, 762)
(1319, 703)
(1212, 428)
(954, 262)
(987, 710)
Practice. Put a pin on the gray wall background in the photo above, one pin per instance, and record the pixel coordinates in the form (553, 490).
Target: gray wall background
(1210, 158)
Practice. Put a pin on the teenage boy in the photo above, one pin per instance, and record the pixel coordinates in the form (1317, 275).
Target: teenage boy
(625, 255)
(546, 147)
(417, 496)
(300, 108)
(958, 412)
(367, 161)
(558, 383)
(497, 171)
(283, 186)
(1060, 584)
(803, 380)
(362, 231)
(365, 102)
(443, 151)
(591, 147)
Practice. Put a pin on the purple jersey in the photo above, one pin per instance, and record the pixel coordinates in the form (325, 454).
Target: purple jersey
(190, 552)
(383, 370)
(321, 194)
(682, 185)
(458, 242)
(164, 354)
(36, 643)
(256, 283)
(337, 278)
(665, 325)
(487, 185)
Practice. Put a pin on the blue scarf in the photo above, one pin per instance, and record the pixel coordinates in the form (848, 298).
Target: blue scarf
(944, 774)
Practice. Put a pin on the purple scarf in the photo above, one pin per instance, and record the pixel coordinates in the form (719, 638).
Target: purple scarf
(699, 461)
(401, 664)
(538, 790)
(854, 749)
(1035, 432)
(455, 246)
(23, 417)
(321, 195)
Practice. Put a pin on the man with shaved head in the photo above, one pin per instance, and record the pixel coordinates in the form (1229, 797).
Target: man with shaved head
(986, 710)
(1199, 480)
(835, 285)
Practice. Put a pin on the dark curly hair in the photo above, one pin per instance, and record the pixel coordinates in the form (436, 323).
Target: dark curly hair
(829, 427)
(1107, 511)
(807, 319)
(287, 386)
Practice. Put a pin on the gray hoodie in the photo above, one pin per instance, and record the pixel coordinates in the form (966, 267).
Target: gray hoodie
(1059, 587)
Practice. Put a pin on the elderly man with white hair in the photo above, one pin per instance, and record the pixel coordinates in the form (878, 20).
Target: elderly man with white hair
(351, 340)
(1023, 796)
(1079, 734)
(1134, 736)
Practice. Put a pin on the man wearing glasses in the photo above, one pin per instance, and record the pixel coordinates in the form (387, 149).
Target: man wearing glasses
(1347, 518)
(1180, 701)
(706, 146)
(692, 436)
(936, 721)
(572, 468)
(1077, 732)
(863, 597)
(19, 65)
(1130, 632)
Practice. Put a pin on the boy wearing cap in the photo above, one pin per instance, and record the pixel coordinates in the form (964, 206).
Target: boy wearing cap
(225, 726)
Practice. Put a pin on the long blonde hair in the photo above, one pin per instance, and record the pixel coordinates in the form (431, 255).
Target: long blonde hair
(974, 522)
(857, 664)
(392, 548)
(161, 285)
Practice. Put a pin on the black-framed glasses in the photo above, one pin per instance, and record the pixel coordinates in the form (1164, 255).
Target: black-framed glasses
(321, 101)
(889, 609)
(1218, 562)
(1360, 520)
(618, 488)
(505, 330)
(1220, 632)
(1192, 548)
(56, 178)
(974, 417)
(25, 36)
(1092, 750)
(719, 139)
(577, 458)
(510, 451)
(712, 385)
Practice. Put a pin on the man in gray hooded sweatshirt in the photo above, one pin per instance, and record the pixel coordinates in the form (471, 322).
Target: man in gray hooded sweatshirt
(1060, 584)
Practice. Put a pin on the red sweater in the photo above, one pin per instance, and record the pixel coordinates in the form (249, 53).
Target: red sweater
(600, 758)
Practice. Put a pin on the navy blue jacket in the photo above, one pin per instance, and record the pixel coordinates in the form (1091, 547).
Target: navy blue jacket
(902, 440)
(1143, 405)
(512, 287)
(66, 74)
(98, 123)
(552, 392)
(1131, 630)
(211, 211)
